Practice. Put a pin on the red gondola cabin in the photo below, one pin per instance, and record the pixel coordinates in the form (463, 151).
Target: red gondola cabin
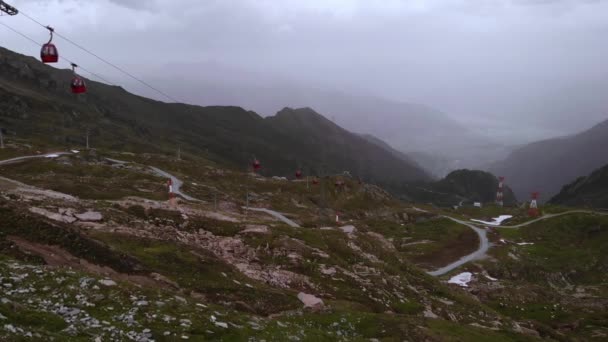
(49, 54)
(256, 165)
(298, 174)
(78, 85)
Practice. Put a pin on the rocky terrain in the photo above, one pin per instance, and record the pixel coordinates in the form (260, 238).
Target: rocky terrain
(90, 250)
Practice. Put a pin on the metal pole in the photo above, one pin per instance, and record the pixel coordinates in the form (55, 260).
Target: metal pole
(87, 138)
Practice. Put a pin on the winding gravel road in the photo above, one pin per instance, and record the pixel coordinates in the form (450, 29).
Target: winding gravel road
(20, 159)
(275, 214)
(548, 216)
(484, 245)
(177, 184)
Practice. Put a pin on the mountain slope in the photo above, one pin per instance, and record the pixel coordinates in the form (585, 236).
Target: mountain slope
(36, 105)
(408, 127)
(590, 190)
(547, 165)
(458, 187)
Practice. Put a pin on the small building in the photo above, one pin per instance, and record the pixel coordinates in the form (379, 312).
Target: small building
(477, 204)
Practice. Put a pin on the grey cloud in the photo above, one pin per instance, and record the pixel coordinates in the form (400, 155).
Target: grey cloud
(496, 60)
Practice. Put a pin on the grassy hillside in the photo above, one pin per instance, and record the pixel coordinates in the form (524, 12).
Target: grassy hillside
(35, 105)
(589, 191)
(460, 186)
(180, 270)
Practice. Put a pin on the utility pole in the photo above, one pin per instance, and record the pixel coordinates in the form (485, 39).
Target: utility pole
(499, 193)
(87, 136)
(533, 210)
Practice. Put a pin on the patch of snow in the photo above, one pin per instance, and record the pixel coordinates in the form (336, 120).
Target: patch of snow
(75, 151)
(53, 155)
(525, 243)
(461, 279)
(495, 221)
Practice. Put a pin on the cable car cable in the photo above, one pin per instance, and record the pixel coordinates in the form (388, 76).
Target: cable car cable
(103, 60)
(61, 57)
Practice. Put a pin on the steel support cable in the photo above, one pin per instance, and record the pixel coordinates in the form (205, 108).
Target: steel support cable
(64, 58)
(104, 60)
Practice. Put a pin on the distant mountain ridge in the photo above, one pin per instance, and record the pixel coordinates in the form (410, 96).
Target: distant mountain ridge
(547, 165)
(591, 190)
(36, 104)
(460, 186)
(407, 127)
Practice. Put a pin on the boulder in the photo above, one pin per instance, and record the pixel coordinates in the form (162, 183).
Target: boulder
(107, 282)
(348, 229)
(255, 229)
(310, 301)
(89, 216)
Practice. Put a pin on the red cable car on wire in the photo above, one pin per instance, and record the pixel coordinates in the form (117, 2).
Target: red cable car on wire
(78, 85)
(256, 165)
(298, 174)
(49, 53)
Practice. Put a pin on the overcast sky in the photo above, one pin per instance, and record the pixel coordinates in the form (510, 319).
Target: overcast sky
(483, 61)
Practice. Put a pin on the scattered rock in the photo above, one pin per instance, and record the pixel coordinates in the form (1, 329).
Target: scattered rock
(107, 282)
(310, 301)
(255, 229)
(348, 229)
(161, 278)
(53, 216)
(89, 216)
(221, 325)
(328, 270)
(428, 313)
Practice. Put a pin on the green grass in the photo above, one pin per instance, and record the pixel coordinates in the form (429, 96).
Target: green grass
(441, 241)
(198, 270)
(450, 331)
(82, 179)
